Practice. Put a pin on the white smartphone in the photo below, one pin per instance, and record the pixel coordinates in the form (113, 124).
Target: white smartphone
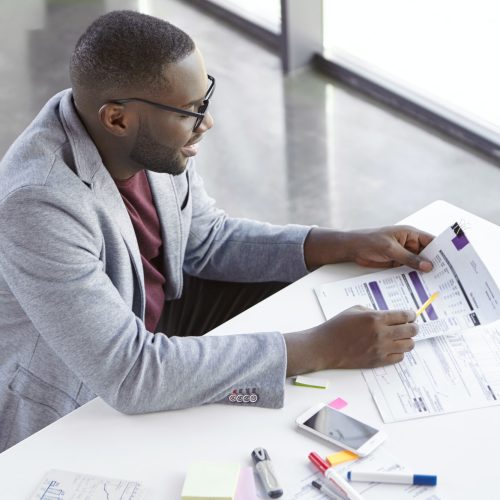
(341, 429)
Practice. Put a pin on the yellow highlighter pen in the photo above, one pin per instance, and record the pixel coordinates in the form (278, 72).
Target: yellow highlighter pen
(427, 303)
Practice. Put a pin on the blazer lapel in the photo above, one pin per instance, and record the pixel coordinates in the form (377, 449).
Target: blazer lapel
(107, 192)
(165, 198)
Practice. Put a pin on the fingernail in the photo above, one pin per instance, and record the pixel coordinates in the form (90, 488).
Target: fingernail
(425, 265)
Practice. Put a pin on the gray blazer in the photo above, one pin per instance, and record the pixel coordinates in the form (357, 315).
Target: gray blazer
(72, 293)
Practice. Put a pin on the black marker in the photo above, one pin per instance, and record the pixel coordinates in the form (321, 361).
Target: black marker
(324, 490)
(266, 472)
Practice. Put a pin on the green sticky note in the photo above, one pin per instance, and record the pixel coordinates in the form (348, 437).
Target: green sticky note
(317, 383)
(211, 481)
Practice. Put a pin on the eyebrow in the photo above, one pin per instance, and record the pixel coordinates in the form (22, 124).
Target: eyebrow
(193, 102)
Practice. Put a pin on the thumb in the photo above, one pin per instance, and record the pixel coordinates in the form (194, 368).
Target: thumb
(407, 258)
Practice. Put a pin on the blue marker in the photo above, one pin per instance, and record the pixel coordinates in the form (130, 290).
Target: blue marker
(392, 477)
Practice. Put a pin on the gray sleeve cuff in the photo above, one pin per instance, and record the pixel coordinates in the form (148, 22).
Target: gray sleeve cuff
(266, 386)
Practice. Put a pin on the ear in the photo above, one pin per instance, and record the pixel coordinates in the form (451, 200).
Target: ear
(116, 119)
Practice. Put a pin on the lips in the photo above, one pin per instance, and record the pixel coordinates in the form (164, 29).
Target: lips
(190, 149)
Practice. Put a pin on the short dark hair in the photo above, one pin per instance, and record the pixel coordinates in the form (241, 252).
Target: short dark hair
(124, 49)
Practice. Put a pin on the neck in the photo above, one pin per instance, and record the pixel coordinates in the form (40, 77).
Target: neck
(117, 164)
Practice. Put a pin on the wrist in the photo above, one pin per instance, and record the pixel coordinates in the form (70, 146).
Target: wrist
(304, 353)
(326, 246)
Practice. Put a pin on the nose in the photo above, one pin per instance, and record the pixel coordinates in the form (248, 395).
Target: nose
(206, 124)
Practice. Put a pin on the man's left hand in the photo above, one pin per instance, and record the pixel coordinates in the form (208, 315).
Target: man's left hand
(383, 247)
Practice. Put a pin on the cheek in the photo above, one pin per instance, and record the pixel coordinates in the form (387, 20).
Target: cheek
(171, 131)
(184, 131)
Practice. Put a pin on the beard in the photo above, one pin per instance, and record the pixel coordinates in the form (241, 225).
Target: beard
(155, 156)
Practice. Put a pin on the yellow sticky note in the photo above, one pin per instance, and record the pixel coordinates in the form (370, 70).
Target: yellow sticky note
(211, 481)
(341, 457)
(317, 383)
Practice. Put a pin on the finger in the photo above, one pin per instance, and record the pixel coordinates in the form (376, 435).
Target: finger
(394, 358)
(415, 242)
(358, 309)
(406, 331)
(399, 317)
(424, 238)
(374, 263)
(402, 346)
(403, 256)
(416, 236)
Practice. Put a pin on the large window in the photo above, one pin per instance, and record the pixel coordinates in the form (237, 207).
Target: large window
(442, 54)
(265, 13)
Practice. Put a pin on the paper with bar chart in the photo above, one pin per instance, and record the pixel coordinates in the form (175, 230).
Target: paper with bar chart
(456, 365)
(468, 295)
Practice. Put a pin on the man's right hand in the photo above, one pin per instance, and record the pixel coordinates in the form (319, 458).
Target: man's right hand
(356, 338)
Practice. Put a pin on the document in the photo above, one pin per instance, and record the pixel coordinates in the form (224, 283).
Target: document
(467, 294)
(456, 364)
(441, 375)
(65, 485)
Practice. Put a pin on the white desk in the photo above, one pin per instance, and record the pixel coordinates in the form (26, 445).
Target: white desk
(156, 448)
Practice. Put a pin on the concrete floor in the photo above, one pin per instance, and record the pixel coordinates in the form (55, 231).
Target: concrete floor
(297, 149)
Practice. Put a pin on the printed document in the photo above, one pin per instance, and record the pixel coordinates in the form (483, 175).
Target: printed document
(468, 295)
(456, 366)
(441, 375)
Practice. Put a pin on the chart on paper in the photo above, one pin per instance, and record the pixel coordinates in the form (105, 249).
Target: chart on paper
(467, 294)
(65, 485)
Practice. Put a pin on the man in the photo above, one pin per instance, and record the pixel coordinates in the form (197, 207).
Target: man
(102, 219)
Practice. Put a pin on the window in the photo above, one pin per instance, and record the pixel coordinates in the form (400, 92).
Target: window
(264, 13)
(440, 54)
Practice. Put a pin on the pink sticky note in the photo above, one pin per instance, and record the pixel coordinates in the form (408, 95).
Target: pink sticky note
(337, 404)
(246, 485)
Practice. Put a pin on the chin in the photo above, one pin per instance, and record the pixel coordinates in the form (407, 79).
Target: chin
(175, 170)
(179, 171)
(178, 168)
(181, 166)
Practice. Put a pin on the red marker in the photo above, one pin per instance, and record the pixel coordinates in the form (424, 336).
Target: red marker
(333, 476)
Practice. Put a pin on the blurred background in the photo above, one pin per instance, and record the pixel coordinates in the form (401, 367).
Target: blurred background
(346, 114)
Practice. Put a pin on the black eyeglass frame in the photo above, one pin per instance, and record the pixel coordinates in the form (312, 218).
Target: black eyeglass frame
(200, 114)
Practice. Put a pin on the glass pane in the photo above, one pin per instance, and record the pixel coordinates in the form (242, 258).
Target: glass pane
(265, 13)
(443, 52)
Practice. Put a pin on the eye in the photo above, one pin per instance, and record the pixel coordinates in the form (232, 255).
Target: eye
(190, 109)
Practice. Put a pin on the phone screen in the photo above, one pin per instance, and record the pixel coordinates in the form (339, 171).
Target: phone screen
(341, 427)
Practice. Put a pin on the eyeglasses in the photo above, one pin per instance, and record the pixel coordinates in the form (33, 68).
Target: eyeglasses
(200, 114)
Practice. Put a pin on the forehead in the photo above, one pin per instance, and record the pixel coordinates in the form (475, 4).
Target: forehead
(187, 80)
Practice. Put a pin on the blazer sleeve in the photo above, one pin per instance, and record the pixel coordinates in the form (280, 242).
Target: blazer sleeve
(236, 249)
(50, 257)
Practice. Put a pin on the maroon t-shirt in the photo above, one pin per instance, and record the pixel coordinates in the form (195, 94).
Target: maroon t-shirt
(136, 195)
